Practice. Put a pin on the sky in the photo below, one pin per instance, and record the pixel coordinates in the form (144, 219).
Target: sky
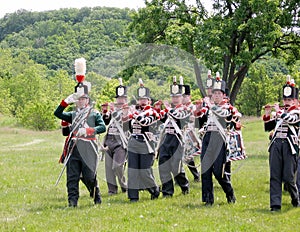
(11, 6)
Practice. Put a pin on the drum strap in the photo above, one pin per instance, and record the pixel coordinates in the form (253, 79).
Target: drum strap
(120, 129)
(218, 124)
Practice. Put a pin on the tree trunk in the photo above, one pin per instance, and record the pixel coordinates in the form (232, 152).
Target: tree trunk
(240, 75)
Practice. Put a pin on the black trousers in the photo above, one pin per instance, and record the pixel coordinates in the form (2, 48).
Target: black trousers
(213, 161)
(140, 175)
(170, 165)
(283, 167)
(193, 169)
(75, 168)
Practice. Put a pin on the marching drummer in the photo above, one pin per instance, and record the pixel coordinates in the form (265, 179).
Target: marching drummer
(186, 101)
(284, 146)
(216, 113)
(115, 141)
(175, 116)
(141, 150)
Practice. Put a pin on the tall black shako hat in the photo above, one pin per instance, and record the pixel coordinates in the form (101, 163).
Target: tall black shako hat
(219, 84)
(83, 87)
(175, 89)
(142, 91)
(209, 80)
(121, 90)
(289, 89)
(186, 89)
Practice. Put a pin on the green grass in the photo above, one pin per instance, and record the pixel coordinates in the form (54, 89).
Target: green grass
(30, 201)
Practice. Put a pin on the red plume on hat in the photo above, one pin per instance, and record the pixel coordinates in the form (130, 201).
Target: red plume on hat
(80, 69)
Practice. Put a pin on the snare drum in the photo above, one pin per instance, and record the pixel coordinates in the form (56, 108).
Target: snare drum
(192, 146)
(235, 146)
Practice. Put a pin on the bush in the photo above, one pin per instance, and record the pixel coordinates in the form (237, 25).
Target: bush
(38, 116)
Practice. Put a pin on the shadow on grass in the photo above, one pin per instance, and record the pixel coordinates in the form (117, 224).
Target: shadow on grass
(286, 208)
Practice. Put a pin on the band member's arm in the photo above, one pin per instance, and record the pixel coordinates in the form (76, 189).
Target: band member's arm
(179, 113)
(100, 125)
(106, 114)
(221, 111)
(59, 112)
(235, 118)
(200, 121)
(269, 120)
(200, 113)
(148, 117)
(126, 118)
(291, 117)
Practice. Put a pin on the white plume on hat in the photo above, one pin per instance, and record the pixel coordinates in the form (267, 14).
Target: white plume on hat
(174, 79)
(181, 80)
(209, 73)
(120, 81)
(80, 66)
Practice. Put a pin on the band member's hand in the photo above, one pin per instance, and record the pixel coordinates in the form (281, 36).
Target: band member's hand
(104, 107)
(166, 104)
(268, 110)
(207, 102)
(85, 132)
(112, 106)
(157, 105)
(198, 104)
(192, 118)
(276, 107)
(81, 132)
(72, 98)
(125, 109)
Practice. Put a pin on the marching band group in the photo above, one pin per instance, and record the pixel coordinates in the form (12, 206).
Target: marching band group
(173, 133)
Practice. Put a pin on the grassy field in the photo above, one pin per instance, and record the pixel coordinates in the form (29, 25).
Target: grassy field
(30, 201)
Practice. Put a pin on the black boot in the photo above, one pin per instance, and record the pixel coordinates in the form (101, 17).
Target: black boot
(72, 203)
(231, 199)
(295, 202)
(97, 197)
(154, 192)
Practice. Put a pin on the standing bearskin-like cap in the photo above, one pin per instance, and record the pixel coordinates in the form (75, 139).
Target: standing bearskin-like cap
(80, 69)
(209, 80)
(121, 90)
(142, 91)
(219, 84)
(175, 89)
(289, 90)
(186, 89)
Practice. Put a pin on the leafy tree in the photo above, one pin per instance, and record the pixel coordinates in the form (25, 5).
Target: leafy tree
(235, 36)
(257, 90)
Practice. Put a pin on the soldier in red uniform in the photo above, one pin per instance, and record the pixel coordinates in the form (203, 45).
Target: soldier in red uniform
(175, 117)
(141, 150)
(284, 147)
(216, 113)
(115, 142)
